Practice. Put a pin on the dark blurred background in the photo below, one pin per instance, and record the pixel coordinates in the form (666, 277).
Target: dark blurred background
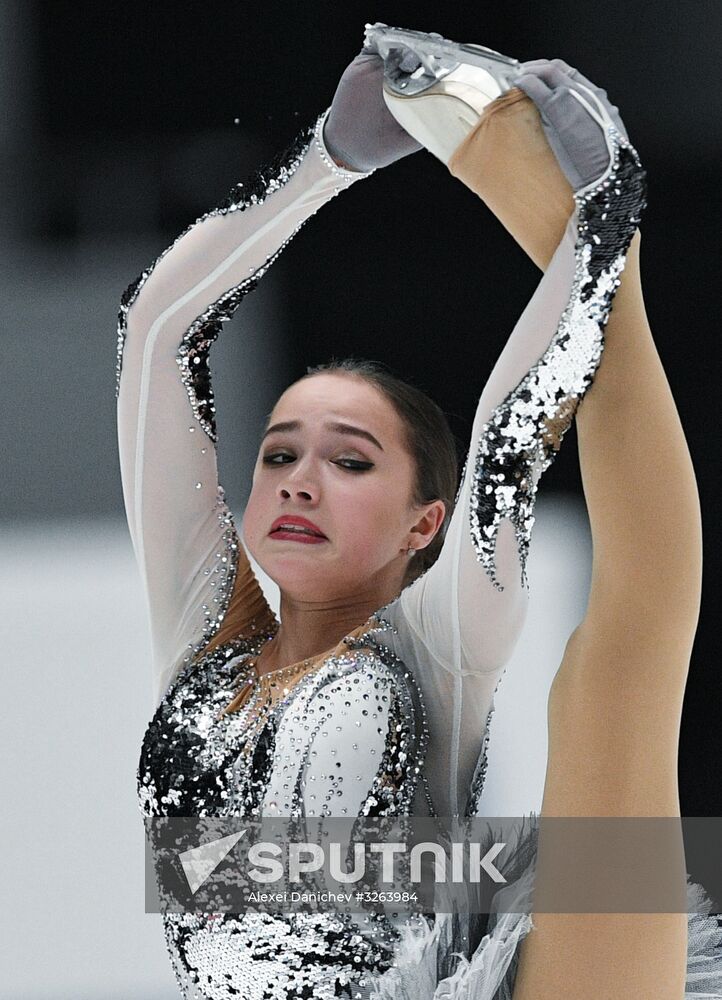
(123, 127)
(122, 122)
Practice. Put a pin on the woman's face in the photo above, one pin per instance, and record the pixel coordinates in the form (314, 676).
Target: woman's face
(335, 455)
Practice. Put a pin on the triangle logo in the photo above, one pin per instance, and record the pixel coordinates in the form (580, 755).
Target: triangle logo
(200, 862)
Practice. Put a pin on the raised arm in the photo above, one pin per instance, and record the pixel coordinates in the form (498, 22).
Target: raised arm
(199, 585)
(470, 605)
(185, 540)
(637, 473)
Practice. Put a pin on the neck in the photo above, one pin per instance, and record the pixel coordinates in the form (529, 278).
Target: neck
(309, 629)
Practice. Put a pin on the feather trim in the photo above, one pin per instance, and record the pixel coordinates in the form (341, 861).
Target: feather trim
(432, 959)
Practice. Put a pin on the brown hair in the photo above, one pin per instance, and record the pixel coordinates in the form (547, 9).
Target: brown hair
(429, 439)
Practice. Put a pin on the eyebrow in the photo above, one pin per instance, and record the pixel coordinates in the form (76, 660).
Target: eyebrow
(340, 428)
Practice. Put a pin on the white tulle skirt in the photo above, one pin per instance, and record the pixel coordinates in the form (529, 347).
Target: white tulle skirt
(436, 962)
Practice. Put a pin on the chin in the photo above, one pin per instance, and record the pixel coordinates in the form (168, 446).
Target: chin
(319, 584)
(299, 574)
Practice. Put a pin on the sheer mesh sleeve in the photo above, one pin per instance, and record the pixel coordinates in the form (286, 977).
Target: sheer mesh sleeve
(460, 621)
(185, 541)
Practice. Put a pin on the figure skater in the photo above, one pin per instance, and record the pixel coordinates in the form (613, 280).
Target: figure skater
(402, 589)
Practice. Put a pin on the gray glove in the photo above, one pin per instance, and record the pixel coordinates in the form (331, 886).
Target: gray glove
(360, 131)
(576, 136)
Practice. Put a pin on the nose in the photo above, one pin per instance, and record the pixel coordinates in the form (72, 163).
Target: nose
(299, 485)
(302, 494)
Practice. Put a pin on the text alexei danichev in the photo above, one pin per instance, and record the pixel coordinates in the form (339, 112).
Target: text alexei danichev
(328, 896)
(296, 896)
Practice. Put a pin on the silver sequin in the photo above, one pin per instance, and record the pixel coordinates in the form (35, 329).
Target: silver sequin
(524, 433)
(224, 577)
(281, 756)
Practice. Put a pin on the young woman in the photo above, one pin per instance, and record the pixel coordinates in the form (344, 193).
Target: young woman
(402, 596)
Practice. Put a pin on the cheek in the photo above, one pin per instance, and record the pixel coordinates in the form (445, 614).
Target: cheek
(255, 516)
(371, 515)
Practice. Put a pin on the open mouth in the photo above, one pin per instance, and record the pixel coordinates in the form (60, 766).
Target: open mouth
(296, 530)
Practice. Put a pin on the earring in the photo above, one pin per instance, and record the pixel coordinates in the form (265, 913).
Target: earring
(410, 551)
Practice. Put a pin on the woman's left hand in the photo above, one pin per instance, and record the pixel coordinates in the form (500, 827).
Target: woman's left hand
(360, 132)
(563, 97)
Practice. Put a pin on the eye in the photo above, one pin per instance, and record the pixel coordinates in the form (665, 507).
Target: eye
(277, 458)
(354, 464)
(351, 464)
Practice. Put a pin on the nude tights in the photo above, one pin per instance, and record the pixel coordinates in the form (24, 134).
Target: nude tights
(615, 705)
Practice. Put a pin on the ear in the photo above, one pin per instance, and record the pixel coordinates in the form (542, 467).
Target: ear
(429, 522)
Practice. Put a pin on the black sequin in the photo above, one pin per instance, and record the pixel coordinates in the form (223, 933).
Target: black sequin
(195, 763)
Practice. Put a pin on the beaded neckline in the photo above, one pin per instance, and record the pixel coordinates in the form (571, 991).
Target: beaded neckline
(289, 668)
(254, 681)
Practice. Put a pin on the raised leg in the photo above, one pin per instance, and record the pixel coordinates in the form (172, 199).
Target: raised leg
(615, 705)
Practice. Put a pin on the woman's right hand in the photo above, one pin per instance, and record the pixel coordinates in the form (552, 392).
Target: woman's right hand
(360, 132)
